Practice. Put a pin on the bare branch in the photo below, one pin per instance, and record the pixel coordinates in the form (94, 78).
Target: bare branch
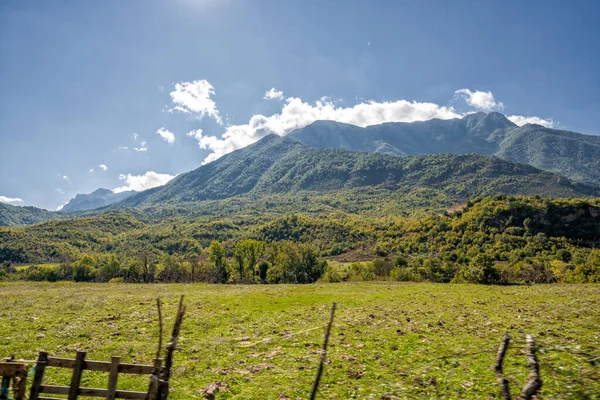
(160, 328)
(313, 393)
(502, 381)
(534, 382)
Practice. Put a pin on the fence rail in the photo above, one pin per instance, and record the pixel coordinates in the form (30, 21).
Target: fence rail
(80, 364)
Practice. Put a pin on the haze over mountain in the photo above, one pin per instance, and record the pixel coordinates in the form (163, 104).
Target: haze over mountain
(97, 199)
(574, 155)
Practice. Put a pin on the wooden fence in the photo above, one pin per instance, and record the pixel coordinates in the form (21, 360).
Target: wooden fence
(17, 373)
(80, 364)
(158, 387)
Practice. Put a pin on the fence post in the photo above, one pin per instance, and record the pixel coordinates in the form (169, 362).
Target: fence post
(39, 375)
(112, 377)
(76, 378)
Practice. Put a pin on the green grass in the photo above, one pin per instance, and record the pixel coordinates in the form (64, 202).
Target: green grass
(46, 265)
(387, 340)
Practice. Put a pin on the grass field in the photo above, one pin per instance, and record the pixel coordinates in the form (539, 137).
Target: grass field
(389, 340)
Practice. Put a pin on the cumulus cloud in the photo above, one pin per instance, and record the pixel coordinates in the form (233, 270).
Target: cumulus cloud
(135, 136)
(103, 167)
(142, 182)
(273, 94)
(297, 113)
(61, 206)
(522, 120)
(481, 100)
(167, 135)
(10, 200)
(195, 98)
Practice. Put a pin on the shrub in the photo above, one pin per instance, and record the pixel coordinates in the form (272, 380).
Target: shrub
(331, 276)
(480, 270)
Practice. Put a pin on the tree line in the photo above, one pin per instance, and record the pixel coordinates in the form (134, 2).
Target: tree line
(251, 261)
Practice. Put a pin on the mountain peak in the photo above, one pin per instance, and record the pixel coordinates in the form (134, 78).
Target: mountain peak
(97, 199)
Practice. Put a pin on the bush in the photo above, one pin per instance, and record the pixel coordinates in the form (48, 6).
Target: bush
(117, 280)
(480, 270)
(39, 274)
(331, 276)
(404, 275)
(362, 272)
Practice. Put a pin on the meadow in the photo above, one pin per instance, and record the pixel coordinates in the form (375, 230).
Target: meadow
(389, 340)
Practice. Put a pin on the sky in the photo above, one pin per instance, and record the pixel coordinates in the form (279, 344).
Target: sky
(125, 95)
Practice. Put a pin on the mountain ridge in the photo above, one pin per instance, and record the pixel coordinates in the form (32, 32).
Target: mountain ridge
(276, 165)
(574, 155)
(97, 199)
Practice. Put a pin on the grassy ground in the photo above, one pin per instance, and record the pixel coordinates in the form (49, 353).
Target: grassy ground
(389, 339)
(49, 265)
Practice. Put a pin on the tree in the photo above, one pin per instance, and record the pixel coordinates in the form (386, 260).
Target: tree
(111, 268)
(247, 254)
(85, 269)
(216, 255)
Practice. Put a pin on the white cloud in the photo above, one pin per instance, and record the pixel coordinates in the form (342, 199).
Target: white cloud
(4, 199)
(103, 167)
(298, 114)
(142, 182)
(135, 136)
(91, 170)
(123, 147)
(481, 100)
(522, 120)
(195, 97)
(273, 94)
(167, 135)
(140, 149)
(61, 206)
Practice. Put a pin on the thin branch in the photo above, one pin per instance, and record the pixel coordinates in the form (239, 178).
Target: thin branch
(160, 328)
(313, 393)
(534, 382)
(502, 381)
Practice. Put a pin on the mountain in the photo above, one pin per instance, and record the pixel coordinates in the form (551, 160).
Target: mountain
(276, 165)
(97, 199)
(574, 155)
(18, 215)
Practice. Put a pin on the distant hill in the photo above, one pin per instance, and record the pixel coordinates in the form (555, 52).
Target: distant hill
(97, 199)
(574, 155)
(18, 215)
(276, 165)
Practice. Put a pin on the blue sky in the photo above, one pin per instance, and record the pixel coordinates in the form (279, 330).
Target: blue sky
(85, 83)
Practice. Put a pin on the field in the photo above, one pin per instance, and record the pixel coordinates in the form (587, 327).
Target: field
(389, 340)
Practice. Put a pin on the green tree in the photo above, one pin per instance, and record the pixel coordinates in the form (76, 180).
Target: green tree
(111, 268)
(85, 269)
(248, 253)
(216, 255)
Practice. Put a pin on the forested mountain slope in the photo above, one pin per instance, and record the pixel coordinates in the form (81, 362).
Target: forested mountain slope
(574, 155)
(276, 165)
